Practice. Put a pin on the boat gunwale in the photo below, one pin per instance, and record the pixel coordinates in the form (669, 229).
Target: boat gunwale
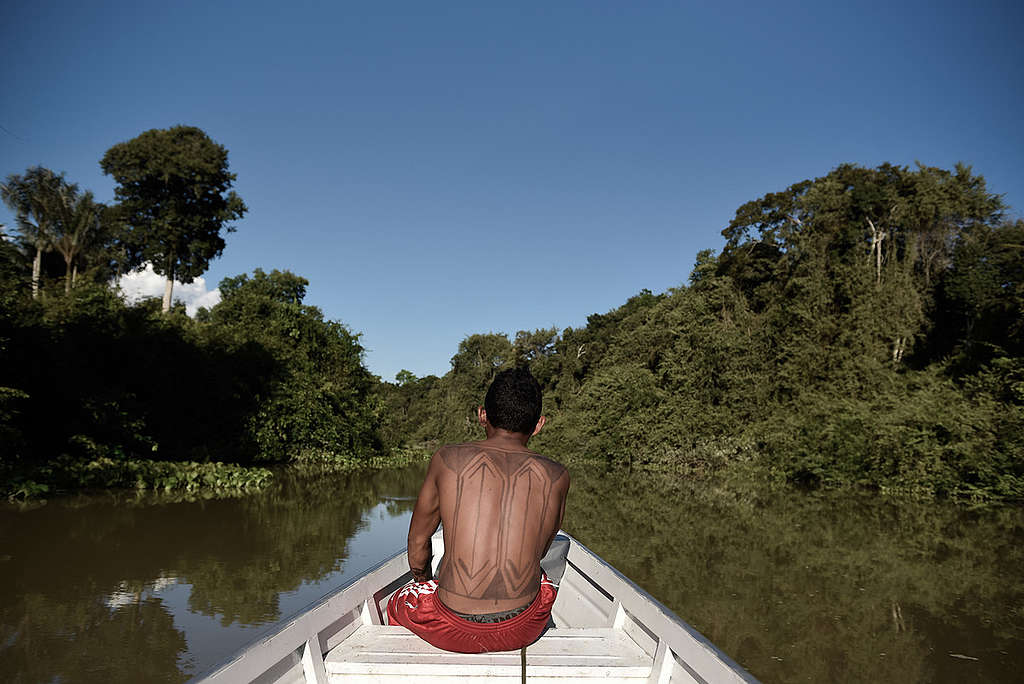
(668, 615)
(223, 667)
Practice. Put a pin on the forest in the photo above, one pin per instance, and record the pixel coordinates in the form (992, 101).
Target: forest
(862, 329)
(98, 393)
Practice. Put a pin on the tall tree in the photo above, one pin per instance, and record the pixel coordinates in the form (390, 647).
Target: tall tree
(34, 198)
(174, 190)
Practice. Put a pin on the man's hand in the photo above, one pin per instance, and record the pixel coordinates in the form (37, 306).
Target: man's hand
(421, 574)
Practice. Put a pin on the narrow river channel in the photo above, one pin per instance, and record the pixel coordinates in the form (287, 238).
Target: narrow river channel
(794, 586)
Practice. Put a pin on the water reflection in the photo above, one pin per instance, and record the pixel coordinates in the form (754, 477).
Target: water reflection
(819, 587)
(796, 587)
(106, 590)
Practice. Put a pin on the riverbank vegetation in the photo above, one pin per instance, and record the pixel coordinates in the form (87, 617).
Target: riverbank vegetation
(862, 328)
(102, 394)
(95, 392)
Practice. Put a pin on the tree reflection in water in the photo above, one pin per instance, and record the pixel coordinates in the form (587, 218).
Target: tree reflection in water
(78, 576)
(819, 586)
(89, 641)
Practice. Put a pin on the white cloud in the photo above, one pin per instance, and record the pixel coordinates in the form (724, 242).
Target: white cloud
(143, 283)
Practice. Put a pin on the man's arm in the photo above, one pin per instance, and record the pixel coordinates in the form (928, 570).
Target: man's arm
(426, 516)
(563, 481)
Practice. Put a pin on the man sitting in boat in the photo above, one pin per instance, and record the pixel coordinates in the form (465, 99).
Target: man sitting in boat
(501, 505)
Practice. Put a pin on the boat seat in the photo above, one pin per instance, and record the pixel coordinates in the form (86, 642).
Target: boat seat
(381, 653)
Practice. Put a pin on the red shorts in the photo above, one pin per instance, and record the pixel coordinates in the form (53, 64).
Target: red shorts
(417, 607)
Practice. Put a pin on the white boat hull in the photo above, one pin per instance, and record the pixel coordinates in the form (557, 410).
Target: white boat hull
(605, 627)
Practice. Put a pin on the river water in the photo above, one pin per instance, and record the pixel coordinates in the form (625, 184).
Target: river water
(794, 586)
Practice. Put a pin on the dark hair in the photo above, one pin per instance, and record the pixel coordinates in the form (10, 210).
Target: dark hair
(513, 401)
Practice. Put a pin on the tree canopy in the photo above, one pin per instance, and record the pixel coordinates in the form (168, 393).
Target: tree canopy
(173, 186)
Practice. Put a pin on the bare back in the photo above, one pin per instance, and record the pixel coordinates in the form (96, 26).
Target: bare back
(501, 507)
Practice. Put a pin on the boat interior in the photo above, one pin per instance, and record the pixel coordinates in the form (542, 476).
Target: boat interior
(603, 628)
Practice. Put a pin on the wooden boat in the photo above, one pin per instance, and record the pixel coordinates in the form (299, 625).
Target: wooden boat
(604, 628)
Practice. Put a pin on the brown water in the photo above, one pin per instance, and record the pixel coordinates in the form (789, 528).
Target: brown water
(794, 586)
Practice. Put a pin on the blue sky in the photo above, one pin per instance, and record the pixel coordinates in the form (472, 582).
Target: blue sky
(440, 169)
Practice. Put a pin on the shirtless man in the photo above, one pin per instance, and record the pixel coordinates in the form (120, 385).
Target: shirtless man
(501, 505)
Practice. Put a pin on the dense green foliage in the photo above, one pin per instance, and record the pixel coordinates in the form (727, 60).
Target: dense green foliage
(314, 398)
(859, 328)
(90, 386)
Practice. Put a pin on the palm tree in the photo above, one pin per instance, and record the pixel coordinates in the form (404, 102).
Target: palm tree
(35, 199)
(77, 229)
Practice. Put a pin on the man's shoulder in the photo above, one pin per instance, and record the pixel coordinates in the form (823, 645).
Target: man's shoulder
(453, 455)
(555, 469)
(458, 456)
